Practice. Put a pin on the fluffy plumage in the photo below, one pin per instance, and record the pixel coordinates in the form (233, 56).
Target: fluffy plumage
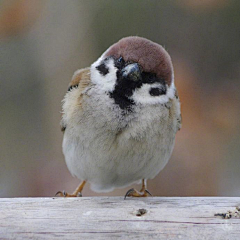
(105, 142)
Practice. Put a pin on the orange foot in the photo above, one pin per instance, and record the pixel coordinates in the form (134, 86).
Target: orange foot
(142, 193)
(76, 193)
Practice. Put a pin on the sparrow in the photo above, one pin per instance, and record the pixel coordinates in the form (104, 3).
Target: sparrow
(120, 118)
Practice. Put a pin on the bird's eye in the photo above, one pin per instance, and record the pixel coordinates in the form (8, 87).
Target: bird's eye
(150, 78)
(120, 60)
(119, 63)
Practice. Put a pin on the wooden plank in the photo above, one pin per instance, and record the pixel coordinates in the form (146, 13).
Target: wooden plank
(113, 218)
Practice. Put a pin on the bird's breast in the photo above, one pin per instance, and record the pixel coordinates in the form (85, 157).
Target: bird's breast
(110, 158)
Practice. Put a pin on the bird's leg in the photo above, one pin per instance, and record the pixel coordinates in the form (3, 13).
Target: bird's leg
(142, 193)
(76, 193)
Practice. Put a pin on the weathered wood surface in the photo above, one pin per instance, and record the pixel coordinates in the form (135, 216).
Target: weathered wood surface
(113, 218)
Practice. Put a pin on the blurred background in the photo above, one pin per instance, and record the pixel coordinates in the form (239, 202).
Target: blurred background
(43, 42)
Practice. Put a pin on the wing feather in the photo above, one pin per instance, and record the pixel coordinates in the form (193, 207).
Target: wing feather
(80, 79)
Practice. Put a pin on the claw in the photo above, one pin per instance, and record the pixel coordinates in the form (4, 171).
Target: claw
(76, 193)
(128, 192)
(134, 193)
(148, 192)
(64, 194)
(61, 194)
(143, 192)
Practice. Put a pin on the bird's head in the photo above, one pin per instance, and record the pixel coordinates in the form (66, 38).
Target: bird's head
(135, 71)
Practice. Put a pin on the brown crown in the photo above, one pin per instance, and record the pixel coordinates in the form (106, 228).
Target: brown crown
(151, 56)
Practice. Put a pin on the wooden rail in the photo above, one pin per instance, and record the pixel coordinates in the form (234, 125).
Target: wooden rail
(113, 218)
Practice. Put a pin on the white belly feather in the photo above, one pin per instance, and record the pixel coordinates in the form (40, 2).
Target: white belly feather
(95, 152)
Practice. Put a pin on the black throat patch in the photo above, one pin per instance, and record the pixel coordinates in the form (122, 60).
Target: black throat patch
(123, 90)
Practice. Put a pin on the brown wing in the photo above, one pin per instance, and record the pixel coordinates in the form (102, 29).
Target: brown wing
(80, 79)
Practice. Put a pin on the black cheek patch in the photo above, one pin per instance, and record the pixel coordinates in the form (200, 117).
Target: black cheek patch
(103, 69)
(157, 91)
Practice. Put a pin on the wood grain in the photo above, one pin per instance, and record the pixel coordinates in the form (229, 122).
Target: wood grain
(115, 218)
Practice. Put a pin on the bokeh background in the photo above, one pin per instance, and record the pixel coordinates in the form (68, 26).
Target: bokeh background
(43, 42)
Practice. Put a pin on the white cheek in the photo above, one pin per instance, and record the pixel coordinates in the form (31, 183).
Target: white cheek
(106, 82)
(171, 91)
(143, 96)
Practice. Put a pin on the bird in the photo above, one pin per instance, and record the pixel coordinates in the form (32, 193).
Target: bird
(120, 117)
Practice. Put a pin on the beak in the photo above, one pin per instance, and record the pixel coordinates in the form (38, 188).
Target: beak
(132, 72)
